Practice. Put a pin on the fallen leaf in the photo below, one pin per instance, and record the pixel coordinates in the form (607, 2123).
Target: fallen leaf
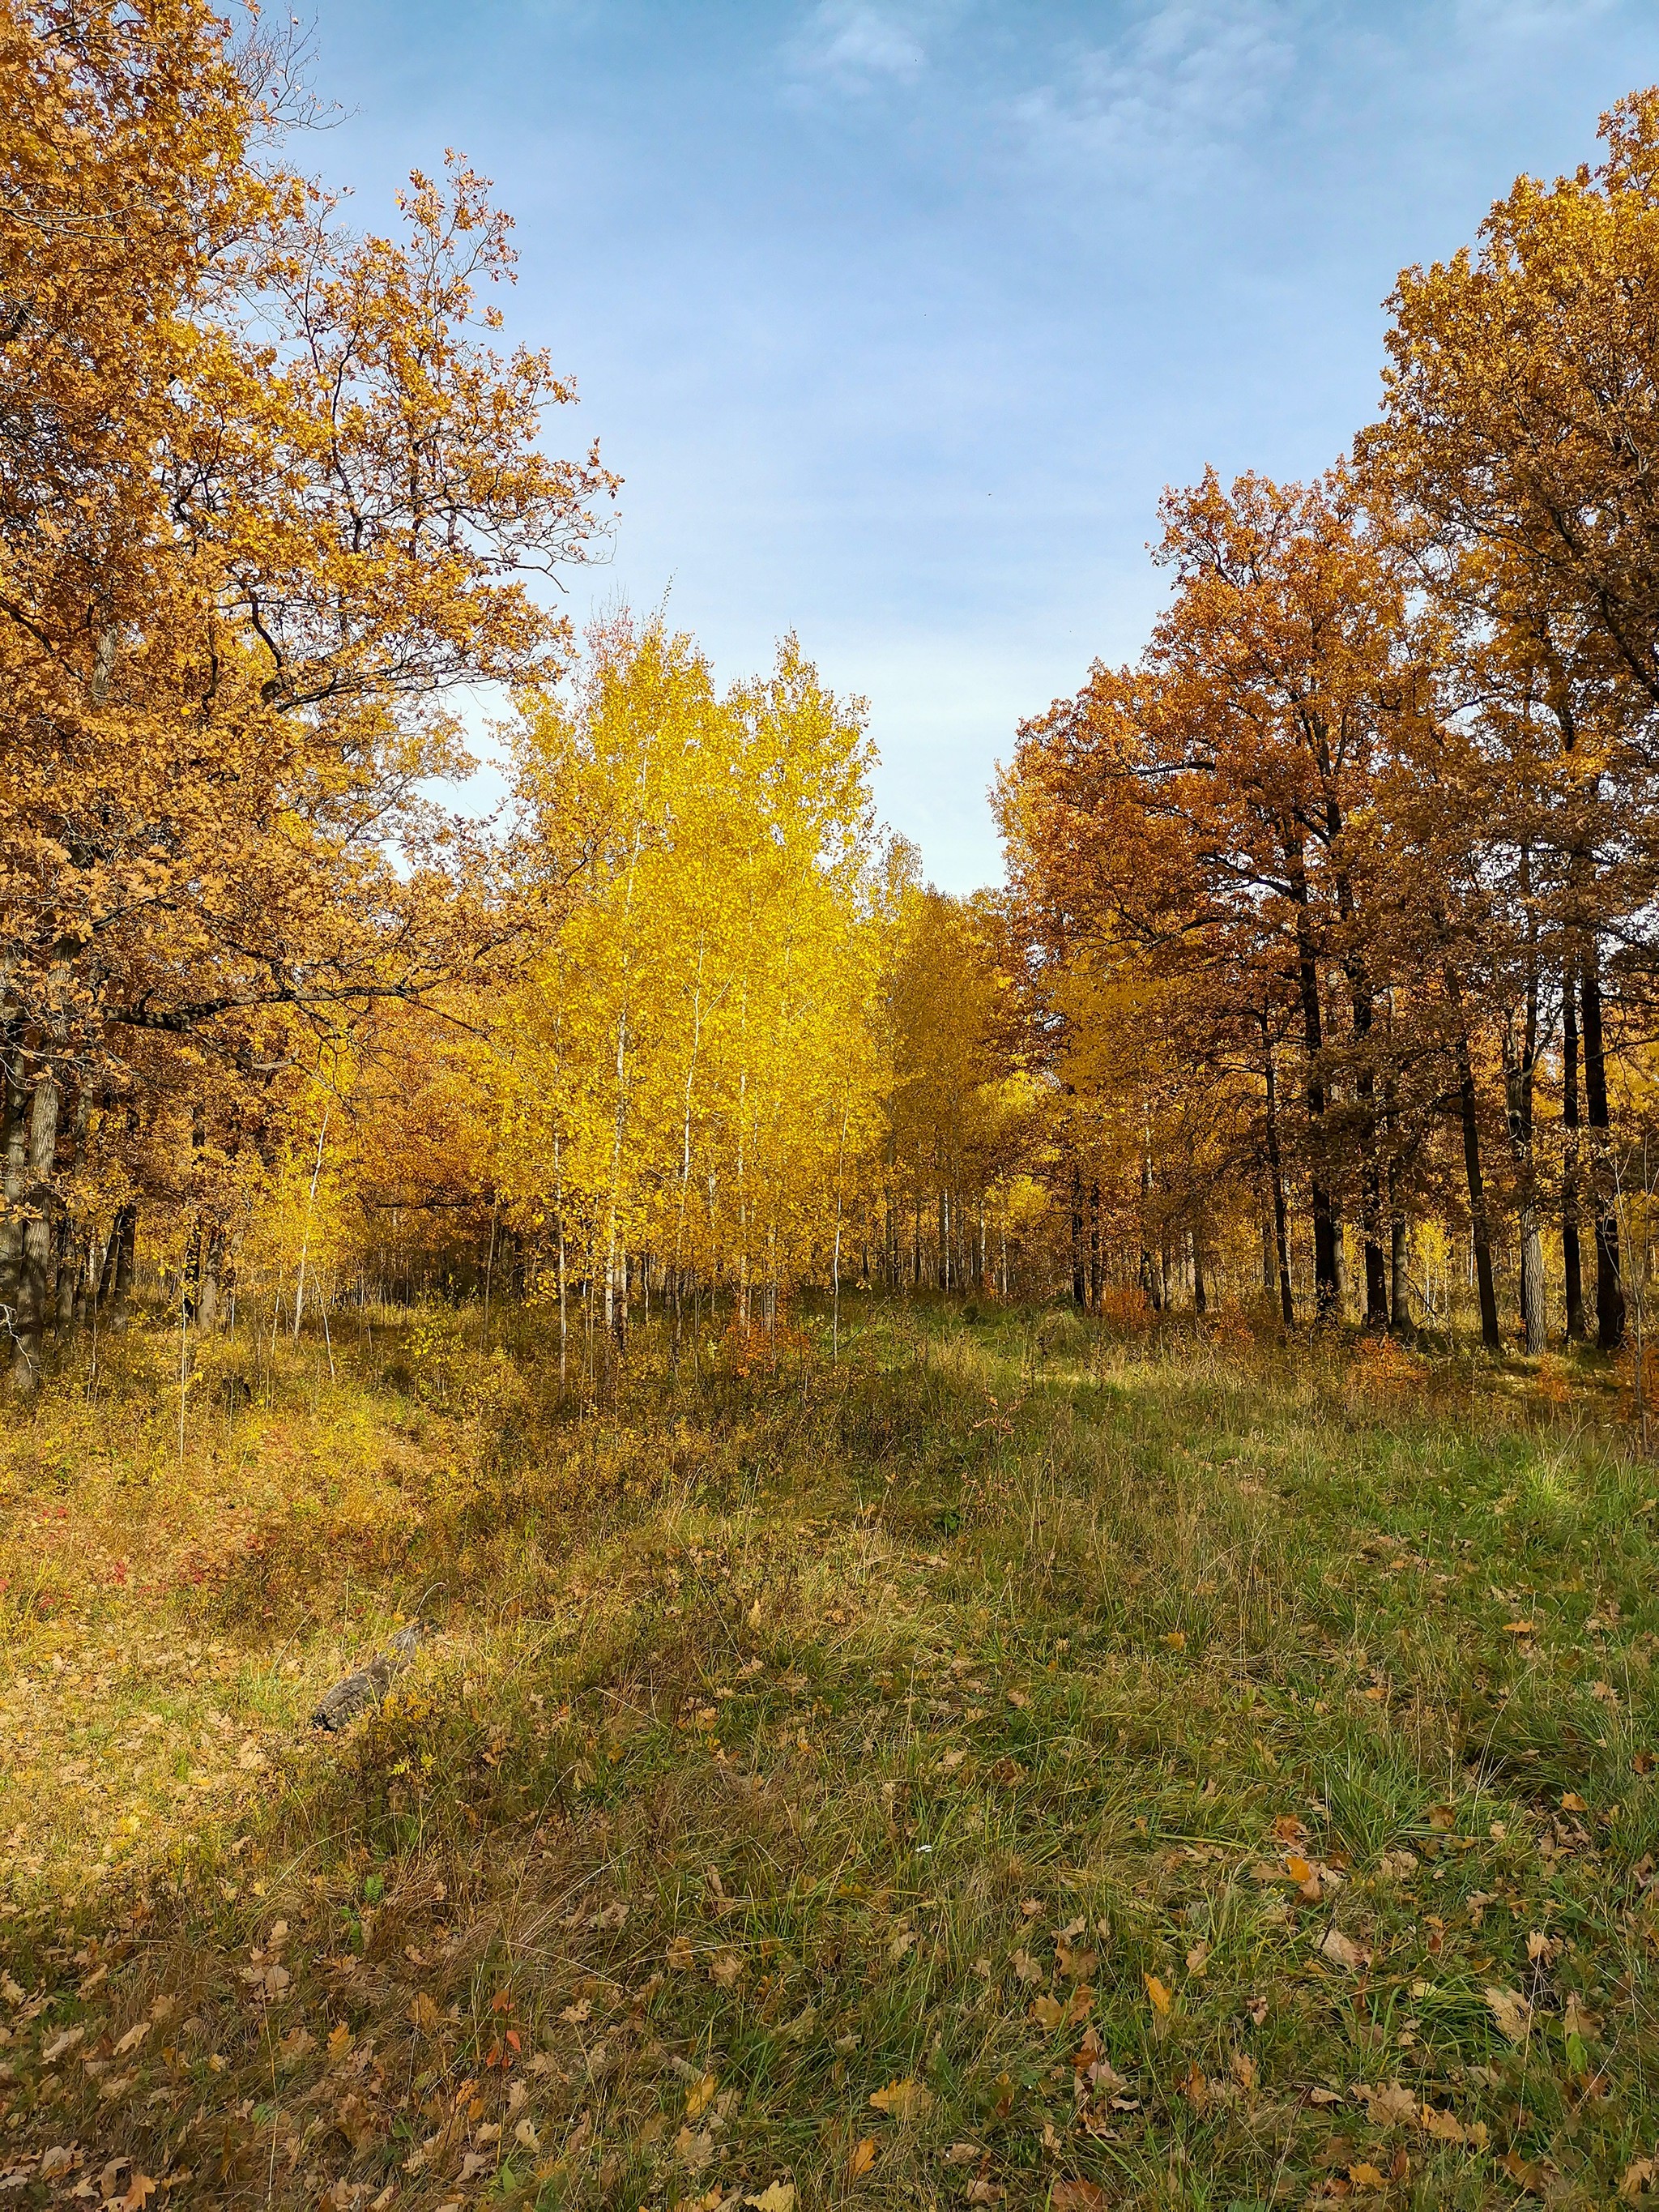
(1026, 1968)
(725, 1968)
(1047, 2013)
(905, 2100)
(132, 2039)
(424, 2013)
(862, 2157)
(59, 2159)
(1342, 1951)
(1159, 1995)
(778, 2197)
(1364, 2176)
(1256, 2009)
(693, 2150)
(700, 2095)
(526, 2137)
(1572, 1803)
(140, 2189)
(574, 2014)
(61, 2043)
(680, 1955)
(1077, 2197)
(1637, 2176)
(1445, 2127)
(1321, 2096)
(1511, 2011)
(1388, 2106)
(1198, 1958)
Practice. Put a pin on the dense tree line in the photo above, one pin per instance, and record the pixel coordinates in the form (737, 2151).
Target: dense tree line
(1347, 886)
(1327, 948)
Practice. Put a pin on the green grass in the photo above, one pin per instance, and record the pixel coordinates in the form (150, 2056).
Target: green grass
(1168, 1772)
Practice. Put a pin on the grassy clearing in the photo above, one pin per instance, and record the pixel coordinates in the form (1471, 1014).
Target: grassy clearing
(1016, 1765)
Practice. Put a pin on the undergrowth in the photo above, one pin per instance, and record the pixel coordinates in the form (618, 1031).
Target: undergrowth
(1014, 1763)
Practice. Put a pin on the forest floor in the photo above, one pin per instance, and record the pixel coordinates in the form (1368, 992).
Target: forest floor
(1016, 1764)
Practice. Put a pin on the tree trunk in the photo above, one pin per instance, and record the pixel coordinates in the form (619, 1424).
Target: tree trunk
(1370, 1191)
(1400, 1307)
(1572, 1264)
(1276, 1174)
(14, 1170)
(120, 1263)
(1609, 1291)
(1079, 1278)
(1480, 1230)
(1328, 1291)
(29, 1330)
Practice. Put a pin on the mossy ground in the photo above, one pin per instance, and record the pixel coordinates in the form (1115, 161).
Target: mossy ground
(1018, 1763)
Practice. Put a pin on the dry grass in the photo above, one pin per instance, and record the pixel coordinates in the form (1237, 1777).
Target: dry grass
(1121, 1757)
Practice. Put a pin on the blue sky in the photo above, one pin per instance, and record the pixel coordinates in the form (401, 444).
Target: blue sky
(896, 315)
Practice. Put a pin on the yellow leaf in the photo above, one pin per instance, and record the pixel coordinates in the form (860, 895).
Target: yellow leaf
(1159, 1995)
(340, 2041)
(1048, 2012)
(1366, 2177)
(861, 2157)
(778, 2197)
(1176, 1639)
(424, 2013)
(906, 2100)
(680, 1954)
(701, 2094)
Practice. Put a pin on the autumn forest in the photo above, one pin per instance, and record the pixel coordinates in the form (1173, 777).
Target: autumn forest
(794, 1360)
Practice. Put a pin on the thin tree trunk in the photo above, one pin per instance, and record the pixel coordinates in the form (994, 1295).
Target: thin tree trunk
(1573, 1263)
(1079, 1277)
(1276, 1174)
(28, 1333)
(1480, 1230)
(1328, 1289)
(14, 1170)
(1610, 1289)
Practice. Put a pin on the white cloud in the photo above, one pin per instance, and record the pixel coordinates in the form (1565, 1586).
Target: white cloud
(856, 44)
(1181, 77)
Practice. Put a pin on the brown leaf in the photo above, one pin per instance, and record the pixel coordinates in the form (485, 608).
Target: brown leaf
(1076, 2197)
(1511, 2011)
(906, 2100)
(1342, 1951)
(862, 2157)
(1387, 2106)
(694, 2151)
